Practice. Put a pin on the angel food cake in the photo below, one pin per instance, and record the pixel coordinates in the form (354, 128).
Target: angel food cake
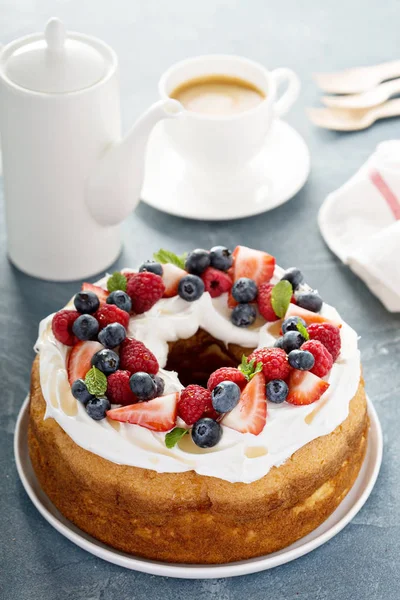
(202, 409)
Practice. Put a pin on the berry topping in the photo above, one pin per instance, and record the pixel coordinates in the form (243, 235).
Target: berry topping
(243, 315)
(274, 361)
(323, 358)
(197, 261)
(145, 289)
(61, 326)
(301, 359)
(225, 396)
(292, 340)
(254, 264)
(277, 391)
(134, 357)
(101, 294)
(216, 282)
(158, 414)
(308, 316)
(80, 360)
(328, 335)
(107, 361)
(305, 387)
(221, 258)
(279, 343)
(190, 288)
(86, 302)
(244, 290)
(264, 302)
(109, 313)
(290, 324)
(293, 276)
(151, 266)
(143, 386)
(171, 278)
(120, 299)
(249, 416)
(118, 388)
(85, 327)
(206, 433)
(310, 301)
(194, 401)
(226, 374)
(160, 385)
(112, 335)
(97, 408)
(80, 391)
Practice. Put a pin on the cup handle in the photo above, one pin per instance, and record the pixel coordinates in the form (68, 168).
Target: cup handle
(290, 95)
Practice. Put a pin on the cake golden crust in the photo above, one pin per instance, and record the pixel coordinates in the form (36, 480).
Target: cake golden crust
(189, 518)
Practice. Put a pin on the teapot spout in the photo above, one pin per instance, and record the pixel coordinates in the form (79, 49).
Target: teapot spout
(113, 188)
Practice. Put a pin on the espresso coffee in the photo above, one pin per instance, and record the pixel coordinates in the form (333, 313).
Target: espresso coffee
(218, 95)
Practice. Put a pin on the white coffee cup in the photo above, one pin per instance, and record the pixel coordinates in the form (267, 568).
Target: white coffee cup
(227, 142)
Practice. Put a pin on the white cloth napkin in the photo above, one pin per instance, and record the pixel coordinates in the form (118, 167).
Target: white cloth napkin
(360, 222)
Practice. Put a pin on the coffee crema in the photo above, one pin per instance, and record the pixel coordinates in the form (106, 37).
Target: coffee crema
(218, 95)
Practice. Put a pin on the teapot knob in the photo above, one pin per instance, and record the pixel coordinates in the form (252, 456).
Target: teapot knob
(55, 34)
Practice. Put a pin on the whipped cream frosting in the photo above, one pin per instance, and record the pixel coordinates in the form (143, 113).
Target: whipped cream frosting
(237, 457)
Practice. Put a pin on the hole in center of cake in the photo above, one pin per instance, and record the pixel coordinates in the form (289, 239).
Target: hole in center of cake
(195, 358)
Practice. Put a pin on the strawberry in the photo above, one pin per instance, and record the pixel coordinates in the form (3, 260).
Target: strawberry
(79, 360)
(308, 316)
(305, 387)
(264, 302)
(249, 415)
(216, 282)
(171, 277)
(254, 264)
(158, 414)
(100, 293)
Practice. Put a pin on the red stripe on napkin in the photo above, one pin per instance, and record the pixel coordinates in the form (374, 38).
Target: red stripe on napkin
(382, 187)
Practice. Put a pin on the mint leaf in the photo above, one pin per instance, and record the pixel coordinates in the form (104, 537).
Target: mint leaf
(165, 256)
(303, 331)
(96, 382)
(173, 437)
(249, 368)
(117, 281)
(280, 297)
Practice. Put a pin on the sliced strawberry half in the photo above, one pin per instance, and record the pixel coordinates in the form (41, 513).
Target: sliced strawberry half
(309, 316)
(171, 277)
(249, 416)
(158, 414)
(305, 387)
(79, 360)
(100, 292)
(255, 264)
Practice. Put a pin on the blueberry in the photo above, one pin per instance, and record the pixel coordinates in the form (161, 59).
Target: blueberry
(85, 327)
(243, 315)
(190, 288)
(244, 290)
(120, 299)
(112, 335)
(80, 392)
(152, 267)
(225, 396)
(301, 359)
(294, 276)
(197, 261)
(206, 433)
(277, 391)
(160, 385)
(86, 302)
(143, 386)
(310, 300)
(96, 408)
(106, 361)
(290, 324)
(221, 258)
(279, 343)
(292, 340)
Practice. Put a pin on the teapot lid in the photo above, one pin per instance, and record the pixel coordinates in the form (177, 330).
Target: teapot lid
(56, 63)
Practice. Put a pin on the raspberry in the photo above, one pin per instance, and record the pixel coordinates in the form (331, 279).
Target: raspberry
(62, 326)
(145, 289)
(110, 313)
(275, 363)
(216, 282)
(135, 357)
(194, 401)
(264, 302)
(118, 388)
(323, 358)
(328, 335)
(226, 374)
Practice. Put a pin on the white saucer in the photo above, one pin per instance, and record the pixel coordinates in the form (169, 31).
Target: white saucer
(339, 519)
(274, 176)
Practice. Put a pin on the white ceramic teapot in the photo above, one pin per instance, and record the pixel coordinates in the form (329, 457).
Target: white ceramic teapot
(69, 176)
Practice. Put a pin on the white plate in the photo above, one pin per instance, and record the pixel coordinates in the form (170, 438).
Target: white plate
(274, 176)
(339, 519)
